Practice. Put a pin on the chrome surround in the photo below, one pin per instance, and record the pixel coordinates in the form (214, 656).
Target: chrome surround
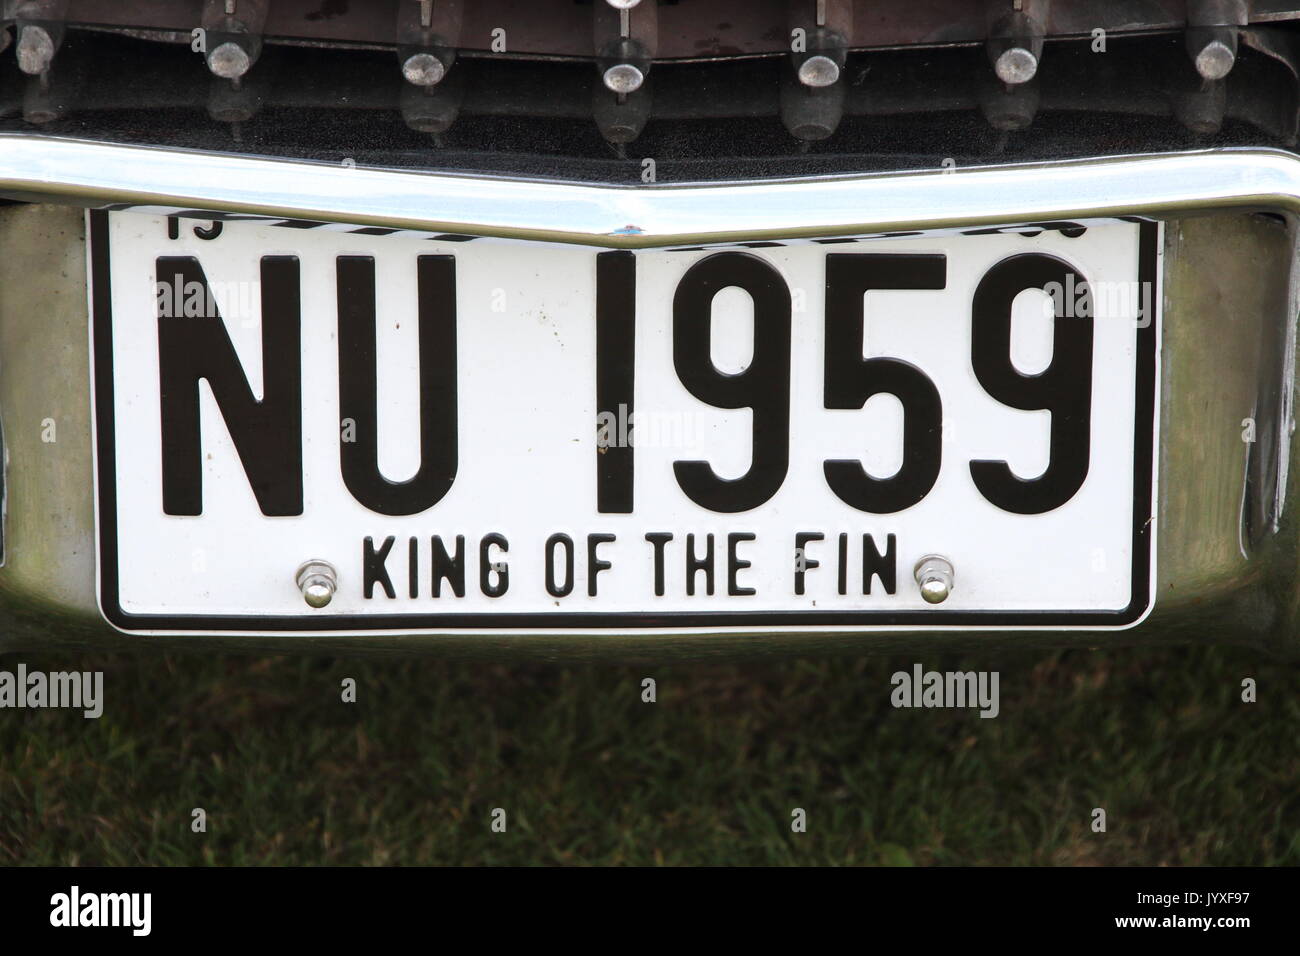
(1228, 538)
(646, 216)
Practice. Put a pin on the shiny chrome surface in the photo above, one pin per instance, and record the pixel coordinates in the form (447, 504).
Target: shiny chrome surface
(935, 578)
(318, 580)
(647, 216)
(1227, 561)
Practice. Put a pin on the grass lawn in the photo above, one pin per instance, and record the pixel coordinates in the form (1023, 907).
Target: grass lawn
(589, 774)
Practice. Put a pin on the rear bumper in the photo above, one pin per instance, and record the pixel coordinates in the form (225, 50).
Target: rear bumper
(1227, 562)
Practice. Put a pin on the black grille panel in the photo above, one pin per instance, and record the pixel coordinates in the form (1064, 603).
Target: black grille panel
(742, 114)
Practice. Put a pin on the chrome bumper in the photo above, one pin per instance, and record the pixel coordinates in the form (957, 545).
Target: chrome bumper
(652, 215)
(1227, 561)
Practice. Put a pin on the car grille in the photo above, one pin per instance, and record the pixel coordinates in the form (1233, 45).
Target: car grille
(674, 91)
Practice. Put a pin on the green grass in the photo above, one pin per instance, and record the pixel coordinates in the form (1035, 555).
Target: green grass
(587, 773)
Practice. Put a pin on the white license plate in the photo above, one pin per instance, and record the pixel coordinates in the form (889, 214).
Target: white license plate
(510, 437)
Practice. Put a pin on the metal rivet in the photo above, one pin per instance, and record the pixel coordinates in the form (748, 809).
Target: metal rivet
(318, 581)
(934, 576)
(35, 49)
(423, 69)
(624, 78)
(229, 61)
(1016, 65)
(818, 71)
(1214, 60)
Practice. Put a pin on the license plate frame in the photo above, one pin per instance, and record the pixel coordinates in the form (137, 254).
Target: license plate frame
(706, 621)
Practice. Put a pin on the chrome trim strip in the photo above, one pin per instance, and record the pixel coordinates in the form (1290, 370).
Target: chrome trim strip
(1161, 185)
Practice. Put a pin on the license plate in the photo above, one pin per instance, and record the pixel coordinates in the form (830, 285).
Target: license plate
(510, 437)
